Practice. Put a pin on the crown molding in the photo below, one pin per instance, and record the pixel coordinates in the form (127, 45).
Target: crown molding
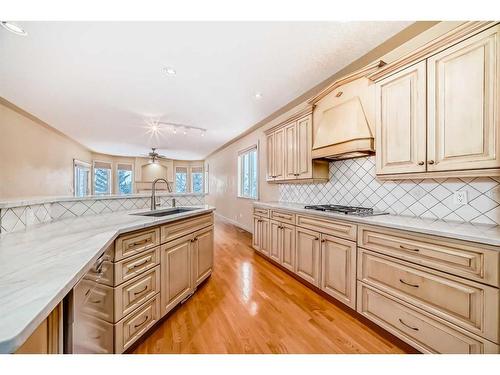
(363, 72)
(464, 31)
(297, 115)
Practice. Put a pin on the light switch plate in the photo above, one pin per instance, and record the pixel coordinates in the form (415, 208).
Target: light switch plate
(460, 197)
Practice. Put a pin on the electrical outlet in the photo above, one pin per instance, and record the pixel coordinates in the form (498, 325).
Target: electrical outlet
(460, 197)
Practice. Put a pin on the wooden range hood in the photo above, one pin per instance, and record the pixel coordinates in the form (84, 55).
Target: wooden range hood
(343, 131)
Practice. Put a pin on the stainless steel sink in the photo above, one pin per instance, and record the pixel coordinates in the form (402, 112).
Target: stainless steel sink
(166, 212)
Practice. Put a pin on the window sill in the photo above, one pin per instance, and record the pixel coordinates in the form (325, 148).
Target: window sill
(247, 198)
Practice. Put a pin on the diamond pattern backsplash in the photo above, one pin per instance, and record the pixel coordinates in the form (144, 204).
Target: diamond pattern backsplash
(18, 218)
(352, 182)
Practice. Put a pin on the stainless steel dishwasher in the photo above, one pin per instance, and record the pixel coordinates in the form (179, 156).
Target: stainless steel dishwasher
(87, 307)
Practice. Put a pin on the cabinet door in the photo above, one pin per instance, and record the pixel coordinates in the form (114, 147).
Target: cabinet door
(307, 261)
(275, 240)
(400, 121)
(291, 151)
(279, 154)
(264, 236)
(175, 272)
(257, 232)
(203, 254)
(304, 147)
(270, 157)
(463, 102)
(288, 246)
(338, 269)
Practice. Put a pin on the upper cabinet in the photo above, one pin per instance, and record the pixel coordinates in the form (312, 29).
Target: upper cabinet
(289, 146)
(440, 116)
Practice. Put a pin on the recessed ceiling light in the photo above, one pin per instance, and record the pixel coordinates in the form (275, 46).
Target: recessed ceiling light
(258, 96)
(13, 28)
(170, 71)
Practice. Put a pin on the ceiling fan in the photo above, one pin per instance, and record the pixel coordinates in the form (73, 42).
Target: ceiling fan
(153, 155)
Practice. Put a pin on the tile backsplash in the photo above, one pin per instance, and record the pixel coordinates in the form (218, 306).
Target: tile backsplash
(14, 219)
(353, 182)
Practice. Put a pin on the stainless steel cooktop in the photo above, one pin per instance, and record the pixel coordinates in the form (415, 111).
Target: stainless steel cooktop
(347, 210)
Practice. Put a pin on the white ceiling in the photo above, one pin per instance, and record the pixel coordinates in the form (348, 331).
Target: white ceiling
(99, 82)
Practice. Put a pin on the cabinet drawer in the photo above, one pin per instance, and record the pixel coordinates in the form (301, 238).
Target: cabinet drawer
(466, 259)
(133, 293)
(283, 216)
(133, 243)
(96, 299)
(416, 327)
(128, 268)
(328, 226)
(184, 227)
(264, 212)
(128, 330)
(467, 304)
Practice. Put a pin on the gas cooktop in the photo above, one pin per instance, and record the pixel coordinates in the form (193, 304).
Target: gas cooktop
(347, 210)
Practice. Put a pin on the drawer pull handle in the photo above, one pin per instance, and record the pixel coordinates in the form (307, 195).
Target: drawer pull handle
(138, 243)
(141, 323)
(431, 161)
(141, 291)
(139, 264)
(420, 163)
(406, 325)
(408, 248)
(412, 285)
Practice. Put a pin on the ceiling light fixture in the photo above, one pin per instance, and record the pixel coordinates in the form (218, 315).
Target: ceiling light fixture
(13, 28)
(170, 71)
(258, 96)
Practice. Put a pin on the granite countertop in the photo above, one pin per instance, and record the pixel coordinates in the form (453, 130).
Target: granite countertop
(480, 233)
(41, 200)
(39, 266)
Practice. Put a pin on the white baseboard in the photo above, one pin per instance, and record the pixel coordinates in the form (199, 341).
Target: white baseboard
(234, 222)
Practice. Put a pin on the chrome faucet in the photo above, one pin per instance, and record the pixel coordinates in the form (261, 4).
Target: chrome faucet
(153, 192)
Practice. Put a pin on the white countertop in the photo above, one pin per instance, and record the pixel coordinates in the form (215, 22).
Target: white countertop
(39, 266)
(27, 201)
(481, 233)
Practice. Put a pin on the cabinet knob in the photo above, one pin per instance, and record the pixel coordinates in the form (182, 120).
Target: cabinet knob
(316, 239)
(420, 163)
(431, 162)
(323, 240)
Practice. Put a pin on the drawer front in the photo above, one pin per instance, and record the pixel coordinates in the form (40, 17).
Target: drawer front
(92, 336)
(282, 216)
(417, 328)
(469, 260)
(264, 212)
(134, 243)
(136, 324)
(184, 227)
(128, 268)
(94, 299)
(328, 226)
(135, 292)
(469, 305)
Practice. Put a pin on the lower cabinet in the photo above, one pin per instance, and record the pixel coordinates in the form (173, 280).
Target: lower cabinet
(338, 269)
(307, 259)
(282, 244)
(260, 241)
(203, 254)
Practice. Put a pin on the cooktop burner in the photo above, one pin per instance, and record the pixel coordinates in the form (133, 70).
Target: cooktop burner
(348, 210)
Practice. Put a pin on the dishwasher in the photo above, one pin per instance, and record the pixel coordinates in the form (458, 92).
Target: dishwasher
(88, 309)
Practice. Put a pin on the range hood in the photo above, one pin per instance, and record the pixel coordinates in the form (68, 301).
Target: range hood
(343, 132)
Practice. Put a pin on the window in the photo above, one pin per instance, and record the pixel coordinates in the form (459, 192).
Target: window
(197, 179)
(81, 178)
(247, 173)
(181, 179)
(102, 178)
(124, 178)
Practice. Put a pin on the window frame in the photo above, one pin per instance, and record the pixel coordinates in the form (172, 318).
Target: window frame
(191, 185)
(80, 163)
(188, 182)
(241, 154)
(110, 184)
(117, 184)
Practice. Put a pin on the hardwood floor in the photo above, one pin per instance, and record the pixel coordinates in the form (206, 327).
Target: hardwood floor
(249, 305)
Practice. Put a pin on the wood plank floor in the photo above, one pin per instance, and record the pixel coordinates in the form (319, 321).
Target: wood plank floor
(250, 306)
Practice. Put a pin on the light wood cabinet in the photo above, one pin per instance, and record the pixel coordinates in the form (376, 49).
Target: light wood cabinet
(289, 151)
(338, 269)
(463, 102)
(260, 239)
(400, 121)
(282, 244)
(203, 254)
(440, 116)
(275, 241)
(176, 277)
(307, 255)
